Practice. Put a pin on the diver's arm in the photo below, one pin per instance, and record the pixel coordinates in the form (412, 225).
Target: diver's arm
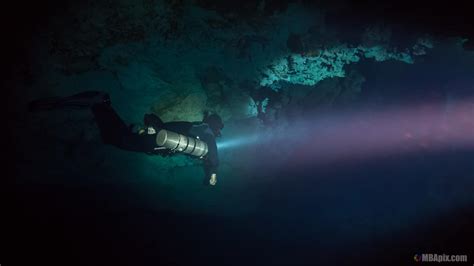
(212, 160)
(213, 180)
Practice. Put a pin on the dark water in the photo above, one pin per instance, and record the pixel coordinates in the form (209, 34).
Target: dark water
(81, 202)
(379, 211)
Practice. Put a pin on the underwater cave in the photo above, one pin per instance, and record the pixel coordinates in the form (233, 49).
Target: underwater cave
(271, 132)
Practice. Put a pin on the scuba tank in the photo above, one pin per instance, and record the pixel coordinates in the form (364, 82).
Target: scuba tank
(180, 143)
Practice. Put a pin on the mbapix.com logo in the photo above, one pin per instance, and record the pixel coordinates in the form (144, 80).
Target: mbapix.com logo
(439, 258)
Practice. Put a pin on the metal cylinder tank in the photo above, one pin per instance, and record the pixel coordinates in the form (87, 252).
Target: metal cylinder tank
(177, 142)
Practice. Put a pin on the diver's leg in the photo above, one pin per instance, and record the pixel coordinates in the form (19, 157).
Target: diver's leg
(114, 131)
(111, 126)
(151, 120)
(81, 100)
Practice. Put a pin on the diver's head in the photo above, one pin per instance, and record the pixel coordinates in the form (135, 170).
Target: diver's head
(215, 123)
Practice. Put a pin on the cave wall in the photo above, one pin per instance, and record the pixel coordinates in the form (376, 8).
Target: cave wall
(178, 59)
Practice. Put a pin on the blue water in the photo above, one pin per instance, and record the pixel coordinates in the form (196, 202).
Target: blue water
(96, 204)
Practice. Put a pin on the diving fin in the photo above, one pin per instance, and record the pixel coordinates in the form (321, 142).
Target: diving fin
(81, 100)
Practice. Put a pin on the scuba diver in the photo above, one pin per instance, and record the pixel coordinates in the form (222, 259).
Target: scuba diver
(155, 137)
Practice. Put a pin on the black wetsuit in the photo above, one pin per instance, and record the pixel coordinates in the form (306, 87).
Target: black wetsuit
(115, 132)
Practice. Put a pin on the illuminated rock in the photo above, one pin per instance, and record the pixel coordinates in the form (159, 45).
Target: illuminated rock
(312, 68)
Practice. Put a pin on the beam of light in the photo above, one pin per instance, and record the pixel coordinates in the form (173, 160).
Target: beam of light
(332, 137)
(236, 142)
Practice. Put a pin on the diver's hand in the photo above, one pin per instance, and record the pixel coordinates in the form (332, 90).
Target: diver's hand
(213, 180)
(150, 130)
